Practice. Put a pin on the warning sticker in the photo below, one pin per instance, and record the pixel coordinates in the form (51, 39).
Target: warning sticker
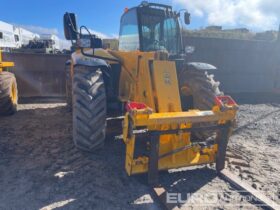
(205, 113)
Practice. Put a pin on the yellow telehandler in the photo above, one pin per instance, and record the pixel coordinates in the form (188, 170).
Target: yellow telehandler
(8, 89)
(174, 113)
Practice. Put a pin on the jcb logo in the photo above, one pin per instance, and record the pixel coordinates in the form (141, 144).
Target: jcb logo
(167, 79)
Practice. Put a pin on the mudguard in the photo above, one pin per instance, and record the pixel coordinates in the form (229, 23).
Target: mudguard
(110, 78)
(80, 59)
(200, 66)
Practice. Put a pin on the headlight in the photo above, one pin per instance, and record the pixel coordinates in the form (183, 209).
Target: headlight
(84, 43)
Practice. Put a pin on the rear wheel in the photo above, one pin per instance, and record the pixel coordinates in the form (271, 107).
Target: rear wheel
(89, 108)
(198, 91)
(199, 88)
(8, 93)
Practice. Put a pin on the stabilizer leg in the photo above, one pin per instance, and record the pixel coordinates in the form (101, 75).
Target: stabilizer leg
(223, 138)
(153, 161)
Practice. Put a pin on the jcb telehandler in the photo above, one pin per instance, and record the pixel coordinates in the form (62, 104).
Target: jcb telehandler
(174, 113)
(8, 89)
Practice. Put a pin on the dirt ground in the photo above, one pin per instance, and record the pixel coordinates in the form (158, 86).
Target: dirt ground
(41, 169)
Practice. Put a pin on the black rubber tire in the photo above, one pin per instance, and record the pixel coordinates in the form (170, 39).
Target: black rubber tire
(7, 81)
(89, 108)
(68, 87)
(203, 89)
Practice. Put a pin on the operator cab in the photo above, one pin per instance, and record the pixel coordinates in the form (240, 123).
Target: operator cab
(151, 27)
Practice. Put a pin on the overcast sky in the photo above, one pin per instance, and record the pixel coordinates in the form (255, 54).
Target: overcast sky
(102, 16)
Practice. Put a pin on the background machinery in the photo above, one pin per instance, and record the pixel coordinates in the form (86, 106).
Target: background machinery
(8, 89)
(174, 112)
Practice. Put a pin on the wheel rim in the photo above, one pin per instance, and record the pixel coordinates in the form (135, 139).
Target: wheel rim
(14, 93)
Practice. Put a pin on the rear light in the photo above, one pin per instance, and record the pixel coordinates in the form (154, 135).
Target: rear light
(135, 106)
(225, 101)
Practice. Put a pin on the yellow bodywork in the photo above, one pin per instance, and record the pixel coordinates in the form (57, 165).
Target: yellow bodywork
(147, 79)
(5, 64)
(166, 121)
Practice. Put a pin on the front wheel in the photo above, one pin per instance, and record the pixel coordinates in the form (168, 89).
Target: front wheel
(8, 93)
(89, 108)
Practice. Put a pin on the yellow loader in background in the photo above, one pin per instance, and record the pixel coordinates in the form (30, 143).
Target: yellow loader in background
(8, 89)
(174, 113)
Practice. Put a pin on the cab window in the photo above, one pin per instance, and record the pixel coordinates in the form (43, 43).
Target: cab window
(16, 38)
(170, 35)
(129, 32)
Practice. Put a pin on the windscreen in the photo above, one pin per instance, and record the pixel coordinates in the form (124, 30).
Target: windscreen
(159, 32)
(129, 32)
(154, 31)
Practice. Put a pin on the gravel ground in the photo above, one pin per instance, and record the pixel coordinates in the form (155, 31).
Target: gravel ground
(41, 169)
(257, 141)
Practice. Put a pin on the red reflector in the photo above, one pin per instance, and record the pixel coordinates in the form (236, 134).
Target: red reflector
(134, 105)
(225, 100)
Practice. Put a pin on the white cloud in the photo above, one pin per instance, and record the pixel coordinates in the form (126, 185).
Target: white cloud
(65, 44)
(115, 36)
(43, 30)
(253, 14)
(39, 29)
(99, 34)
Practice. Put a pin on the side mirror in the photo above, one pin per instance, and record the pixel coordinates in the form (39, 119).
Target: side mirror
(70, 26)
(89, 42)
(187, 18)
